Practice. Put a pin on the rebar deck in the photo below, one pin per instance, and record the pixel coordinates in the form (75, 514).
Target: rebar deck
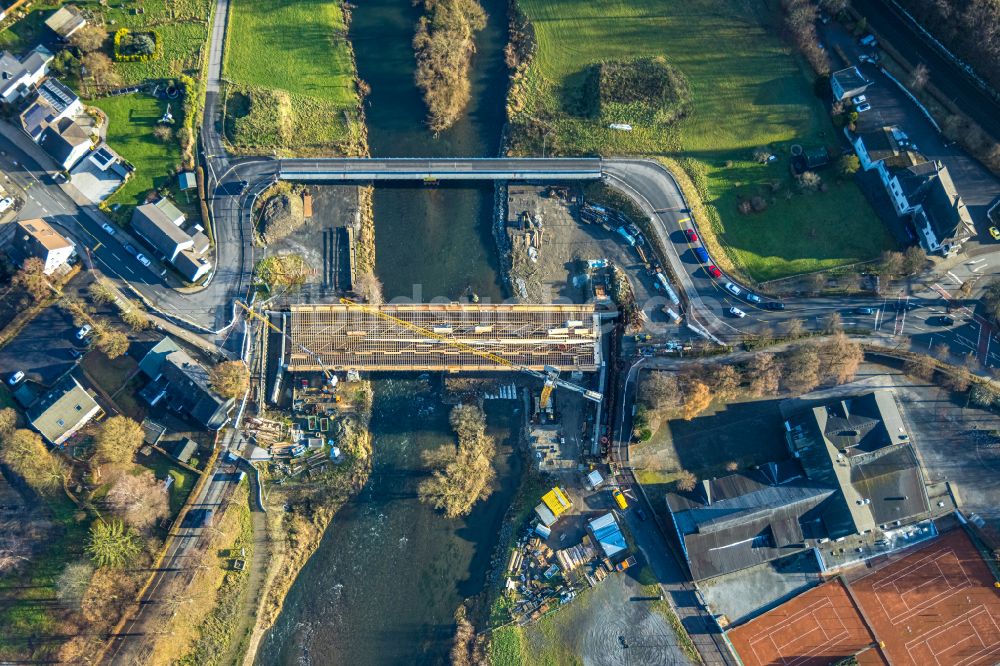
(344, 338)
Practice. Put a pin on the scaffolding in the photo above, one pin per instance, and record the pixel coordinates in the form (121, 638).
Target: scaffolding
(533, 336)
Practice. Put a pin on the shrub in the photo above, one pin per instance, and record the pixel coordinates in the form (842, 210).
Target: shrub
(137, 46)
(645, 90)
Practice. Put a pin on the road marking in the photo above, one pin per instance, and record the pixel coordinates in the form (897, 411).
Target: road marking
(955, 278)
(96, 247)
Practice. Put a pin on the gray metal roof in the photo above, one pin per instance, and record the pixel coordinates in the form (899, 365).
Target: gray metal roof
(745, 519)
(894, 486)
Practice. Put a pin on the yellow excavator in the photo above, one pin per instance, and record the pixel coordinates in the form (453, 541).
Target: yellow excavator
(550, 376)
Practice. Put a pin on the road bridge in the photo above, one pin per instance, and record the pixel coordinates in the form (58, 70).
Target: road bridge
(339, 337)
(445, 168)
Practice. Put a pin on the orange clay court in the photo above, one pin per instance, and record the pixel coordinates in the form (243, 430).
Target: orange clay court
(937, 606)
(820, 626)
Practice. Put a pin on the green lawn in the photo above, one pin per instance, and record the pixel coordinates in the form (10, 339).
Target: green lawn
(131, 120)
(183, 27)
(293, 60)
(748, 90)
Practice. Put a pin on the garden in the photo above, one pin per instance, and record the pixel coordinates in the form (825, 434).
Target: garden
(747, 90)
(292, 77)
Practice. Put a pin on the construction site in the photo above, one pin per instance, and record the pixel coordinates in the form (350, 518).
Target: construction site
(442, 337)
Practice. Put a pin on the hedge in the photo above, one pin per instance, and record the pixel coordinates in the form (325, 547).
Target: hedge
(121, 33)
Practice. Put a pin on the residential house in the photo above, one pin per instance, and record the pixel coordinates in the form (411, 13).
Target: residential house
(744, 519)
(19, 75)
(66, 142)
(847, 83)
(54, 102)
(36, 238)
(99, 175)
(183, 383)
(159, 224)
(66, 20)
(62, 411)
(937, 210)
(921, 191)
(186, 180)
(182, 449)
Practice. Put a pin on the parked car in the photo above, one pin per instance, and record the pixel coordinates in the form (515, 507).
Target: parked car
(108, 228)
(773, 305)
(16, 377)
(640, 513)
(733, 289)
(143, 259)
(868, 40)
(130, 249)
(860, 99)
(867, 58)
(753, 298)
(995, 233)
(714, 272)
(84, 330)
(861, 108)
(691, 235)
(702, 254)
(5, 203)
(865, 311)
(940, 320)
(75, 353)
(736, 312)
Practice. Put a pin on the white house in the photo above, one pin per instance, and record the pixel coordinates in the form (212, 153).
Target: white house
(918, 189)
(54, 102)
(66, 142)
(35, 238)
(19, 75)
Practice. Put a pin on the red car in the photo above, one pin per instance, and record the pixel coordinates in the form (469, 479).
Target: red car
(714, 272)
(691, 235)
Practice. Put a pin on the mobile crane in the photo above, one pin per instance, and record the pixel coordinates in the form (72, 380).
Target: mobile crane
(550, 376)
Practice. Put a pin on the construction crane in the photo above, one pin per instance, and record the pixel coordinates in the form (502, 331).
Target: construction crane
(331, 378)
(549, 377)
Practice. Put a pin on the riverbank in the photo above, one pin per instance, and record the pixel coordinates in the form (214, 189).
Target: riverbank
(298, 515)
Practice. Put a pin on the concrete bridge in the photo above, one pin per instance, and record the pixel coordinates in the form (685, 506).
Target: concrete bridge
(445, 168)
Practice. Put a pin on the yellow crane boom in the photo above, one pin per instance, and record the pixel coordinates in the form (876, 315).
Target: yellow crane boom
(550, 377)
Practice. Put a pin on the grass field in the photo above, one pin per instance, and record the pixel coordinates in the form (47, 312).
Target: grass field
(182, 26)
(748, 90)
(131, 120)
(293, 61)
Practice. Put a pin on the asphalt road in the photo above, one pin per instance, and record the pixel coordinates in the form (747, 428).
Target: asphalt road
(951, 79)
(404, 168)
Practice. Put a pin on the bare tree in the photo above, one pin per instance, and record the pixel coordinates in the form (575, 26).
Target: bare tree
(31, 278)
(660, 390)
(833, 323)
(27, 456)
(73, 582)
(8, 421)
(914, 259)
(100, 68)
(918, 77)
(942, 351)
(920, 367)
(117, 440)
(697, 399)
(89, 38)
(840, 359)
(802, 369)
(686, 481)
(793, 328)
(891, 263)
(230, 379)
(111, 342)
(724, 381)
(369, 287)
(764, 373)
(138, 499)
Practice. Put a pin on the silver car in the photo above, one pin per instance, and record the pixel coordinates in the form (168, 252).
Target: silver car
(733, 289)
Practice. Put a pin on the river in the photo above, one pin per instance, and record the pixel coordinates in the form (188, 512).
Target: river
(390, 572)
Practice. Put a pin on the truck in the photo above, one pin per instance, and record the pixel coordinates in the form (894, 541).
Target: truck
(629, 238)
(626, 563)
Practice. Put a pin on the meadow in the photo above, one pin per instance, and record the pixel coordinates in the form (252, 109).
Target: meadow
(292, 73)
(748, 90)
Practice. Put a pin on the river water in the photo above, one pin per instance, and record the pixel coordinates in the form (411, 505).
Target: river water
(385, 582)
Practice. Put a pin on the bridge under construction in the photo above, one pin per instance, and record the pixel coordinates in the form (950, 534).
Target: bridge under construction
(337, 337)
